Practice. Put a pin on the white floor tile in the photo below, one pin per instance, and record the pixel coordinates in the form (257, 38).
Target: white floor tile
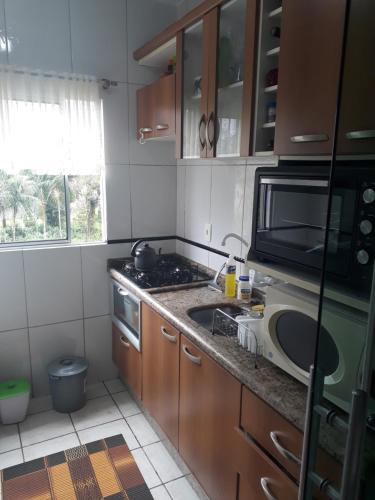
(142, 430)
(108, 430)
(9, 438)
(160, 493)
(43, 403)
(95, 412)
(10, 458)
(96, 390)
(43, 426)
(126, 403)
(52, 446)
(180, 489)
(147, 471)
(162, 462)
(114, 385)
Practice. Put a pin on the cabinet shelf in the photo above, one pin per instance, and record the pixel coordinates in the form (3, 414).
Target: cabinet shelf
(234, 85)
(269, 125)
(264, 153)
(273, 52)
(272, 88)
(275, 13)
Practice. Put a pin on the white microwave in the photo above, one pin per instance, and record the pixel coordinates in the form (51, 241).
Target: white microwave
(289, 339)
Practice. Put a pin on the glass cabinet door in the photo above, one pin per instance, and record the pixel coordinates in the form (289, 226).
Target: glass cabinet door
(230, 78)
(193, 119)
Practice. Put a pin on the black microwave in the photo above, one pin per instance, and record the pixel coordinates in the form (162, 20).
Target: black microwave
(290, 214)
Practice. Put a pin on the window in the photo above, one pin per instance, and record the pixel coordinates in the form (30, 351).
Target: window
(51, 162)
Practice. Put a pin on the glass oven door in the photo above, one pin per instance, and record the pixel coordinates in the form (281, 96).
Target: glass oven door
(126, 313)
(291, 218)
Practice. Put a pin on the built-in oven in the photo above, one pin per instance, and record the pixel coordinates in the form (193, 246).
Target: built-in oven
(290, 219)
(126, 313)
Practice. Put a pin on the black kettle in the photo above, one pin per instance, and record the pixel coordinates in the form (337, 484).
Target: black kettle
(145, 257)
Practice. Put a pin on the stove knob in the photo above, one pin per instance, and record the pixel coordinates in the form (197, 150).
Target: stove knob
(362, 257)
(366, 227)
(368, 195)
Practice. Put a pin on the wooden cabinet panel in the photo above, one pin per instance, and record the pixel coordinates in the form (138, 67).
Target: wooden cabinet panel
(262, 422)
(164, 106)
(356, 130)
(128, 361)
(160, 371)
(309, 65)
(156, 108)
(258, 474)
(209, 412)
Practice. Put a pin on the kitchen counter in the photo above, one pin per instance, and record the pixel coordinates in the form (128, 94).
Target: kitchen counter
(282, 392)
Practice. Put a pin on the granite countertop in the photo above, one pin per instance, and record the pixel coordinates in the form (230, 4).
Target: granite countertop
(282, 392)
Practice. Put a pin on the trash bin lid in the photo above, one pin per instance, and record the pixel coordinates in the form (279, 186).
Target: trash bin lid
(11, 388)
(67, 366)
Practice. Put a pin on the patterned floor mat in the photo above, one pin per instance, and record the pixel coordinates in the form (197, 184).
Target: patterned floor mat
(102, 469)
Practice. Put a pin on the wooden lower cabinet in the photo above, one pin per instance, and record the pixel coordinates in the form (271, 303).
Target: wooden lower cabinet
(160, 371)
(128, 360)
(209, 412)
(258, 476)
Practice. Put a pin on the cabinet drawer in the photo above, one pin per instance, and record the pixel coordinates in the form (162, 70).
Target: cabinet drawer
(280, 438)
(259, 478)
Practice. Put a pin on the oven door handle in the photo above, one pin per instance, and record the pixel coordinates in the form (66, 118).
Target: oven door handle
(122, 292)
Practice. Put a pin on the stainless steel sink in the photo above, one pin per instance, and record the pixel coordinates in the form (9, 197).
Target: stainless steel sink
(204, 315)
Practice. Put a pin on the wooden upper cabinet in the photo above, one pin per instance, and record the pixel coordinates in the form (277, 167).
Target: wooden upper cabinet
(356, 127)
(160, 379)
(216, 59)
(156, 109)
(209, 412)
(309, 67)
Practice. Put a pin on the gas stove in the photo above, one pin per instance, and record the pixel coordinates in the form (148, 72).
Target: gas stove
(170, 270)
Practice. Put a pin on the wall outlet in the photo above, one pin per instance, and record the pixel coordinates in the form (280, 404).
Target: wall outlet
(207, 232)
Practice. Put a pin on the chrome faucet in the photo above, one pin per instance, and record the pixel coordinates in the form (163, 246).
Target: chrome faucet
(214, 285)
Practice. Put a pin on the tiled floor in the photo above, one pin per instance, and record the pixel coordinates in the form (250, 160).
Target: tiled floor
(110, 410)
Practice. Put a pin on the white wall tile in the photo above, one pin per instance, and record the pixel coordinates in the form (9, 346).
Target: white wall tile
(50, 342)
(144, 20)
(197, 201)
(227, 199)
(116, 124)
(3, 53)
(98, 348)
(153, 194)
(53, 285)
(180, 223)
(12, 291)
(41, 32)
(118, 202)
(14, 355)
(152, 152)
(98, 30)
(248, 205)
(95, 281)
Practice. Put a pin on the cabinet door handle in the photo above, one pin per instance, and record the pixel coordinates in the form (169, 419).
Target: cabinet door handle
(265, 488)
(210, 130)
(283, 451)
(142, 132)
(310, 138)
(194, 359)
(360, 134)
(124, 343)
(122, 292)
(162, 126)
(171, 338)
(201, 131)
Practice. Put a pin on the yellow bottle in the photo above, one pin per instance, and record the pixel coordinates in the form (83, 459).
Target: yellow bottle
(230, 277)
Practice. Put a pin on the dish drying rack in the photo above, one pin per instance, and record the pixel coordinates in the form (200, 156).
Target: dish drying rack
(226, 325)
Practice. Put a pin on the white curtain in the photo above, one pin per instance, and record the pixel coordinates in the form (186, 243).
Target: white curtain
(51, 124)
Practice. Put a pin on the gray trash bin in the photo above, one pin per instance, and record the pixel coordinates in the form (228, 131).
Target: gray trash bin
(67, 380)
